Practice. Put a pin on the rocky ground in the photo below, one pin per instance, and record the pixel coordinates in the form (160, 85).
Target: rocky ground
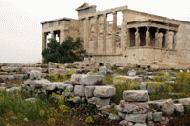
(125, 96)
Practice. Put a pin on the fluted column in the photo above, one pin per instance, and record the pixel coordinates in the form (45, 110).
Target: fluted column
(137, 38)
(114, 30)
(105, 33)
(147, 37)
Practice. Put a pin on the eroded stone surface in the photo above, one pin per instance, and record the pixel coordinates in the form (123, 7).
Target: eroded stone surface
(137, 118)
(134, 108)
(136, 96)
(104, 91)
(79, 90)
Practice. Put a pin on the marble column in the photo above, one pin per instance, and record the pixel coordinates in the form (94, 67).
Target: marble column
(175, 40)
(96, 34)
(124, 32)
(166, 39)
(114, 30)
(160, 39)
(44, 40)
(86, 34)
(147, 37)
(105, 33)
(170, 39)
(156, 43)
(62, 36)
(52, 35)
(137, 38)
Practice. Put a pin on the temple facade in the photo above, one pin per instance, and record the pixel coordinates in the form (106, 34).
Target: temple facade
(124, 37)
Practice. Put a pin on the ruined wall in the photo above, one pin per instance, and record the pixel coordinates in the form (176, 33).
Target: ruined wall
(178, 57)
(109, 42)
(61, 29)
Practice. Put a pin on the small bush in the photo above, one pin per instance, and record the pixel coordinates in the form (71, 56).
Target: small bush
(14, 108)
(121, 71)
(182, 83)
(89, 120)
(68, 51)
(162, 76)
(159, 90)
(121, 84)
(108, 79)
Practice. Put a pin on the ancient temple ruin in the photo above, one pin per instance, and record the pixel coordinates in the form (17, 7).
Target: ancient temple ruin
(139, 39)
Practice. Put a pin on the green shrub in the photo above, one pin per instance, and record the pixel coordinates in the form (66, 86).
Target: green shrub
(121, 71)
(68, 51)
(162, 76)
(89, 120)
(182, 83)
(108, 79)
(14, 109)
(57, 77)
(121, 84)
(61, 77)
(159, 90)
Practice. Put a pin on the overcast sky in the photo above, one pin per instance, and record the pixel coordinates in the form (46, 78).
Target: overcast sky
(20, 28)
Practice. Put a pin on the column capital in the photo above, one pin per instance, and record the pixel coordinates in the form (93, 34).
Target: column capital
(137, 29)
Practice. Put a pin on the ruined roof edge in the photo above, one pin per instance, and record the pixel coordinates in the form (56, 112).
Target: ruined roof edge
(166, 18)
(60, 19)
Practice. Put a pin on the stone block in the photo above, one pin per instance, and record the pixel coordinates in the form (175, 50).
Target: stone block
(136, 118)
(11, 69)
(75, 78)
(91, 79)
(79, 90)
(183, 101)
(165, 106)
(102, 70)
(122, 115)
(140, 124)
(131, 73)
(113, 117)
(150, 123)
(157, 116)
(124, 123)
(50, 87)
(104, 91)
(35, 75)
(89, 90)
(179, 108)
(136, 96)
(99, 102)
(43, 83)
(133, 108)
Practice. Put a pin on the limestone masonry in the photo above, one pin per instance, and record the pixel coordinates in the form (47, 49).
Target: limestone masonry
(125, 37)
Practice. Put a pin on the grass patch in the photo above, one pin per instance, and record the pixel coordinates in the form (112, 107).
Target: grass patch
(61, 77)
(121, 84)
(47, 111)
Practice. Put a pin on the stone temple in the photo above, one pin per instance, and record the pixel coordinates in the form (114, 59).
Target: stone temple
(124, 37)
